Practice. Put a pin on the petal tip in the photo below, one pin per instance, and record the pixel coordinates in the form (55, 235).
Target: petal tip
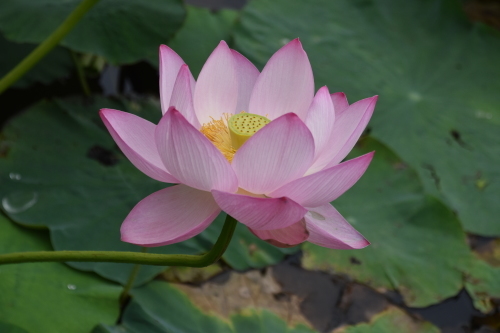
(323, 89)
(295, 43)
(223, 44)
(361, 244)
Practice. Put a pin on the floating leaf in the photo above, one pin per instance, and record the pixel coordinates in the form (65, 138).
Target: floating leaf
(49, 297)
(392, 320)
(436, 74)
(417, 244)
(163, 307)
(123, 31)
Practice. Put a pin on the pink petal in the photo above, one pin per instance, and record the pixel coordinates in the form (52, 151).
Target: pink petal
(278, 153)
(190, 156)
(326, 185)
(170, 63)
(135, 137)
(247, 74)
(169, 216)
(182, 96)
(321, 118)
(340, 103)
(284, 237)
(329, 229)
(216, 90)
(347, 129)
(260, 213)
(285, 85)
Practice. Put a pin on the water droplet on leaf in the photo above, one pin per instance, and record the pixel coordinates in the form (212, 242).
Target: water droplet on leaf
(14, 176)
(19, 201)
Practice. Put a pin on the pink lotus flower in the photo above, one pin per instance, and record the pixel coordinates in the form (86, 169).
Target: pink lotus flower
(279, 183)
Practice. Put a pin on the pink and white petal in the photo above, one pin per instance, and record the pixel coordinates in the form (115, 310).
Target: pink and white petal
(182, 96)
(278, 153)
(347, 129)
(135, 137)
(170, 63)
(320, 119)
(260, 213)
(340, 103)
(284, 237)
(329, 229)
(190, 156)
(216, 90)
(169, 216)
(356, 117)
(285, 85)
(247, 74)
(326, 185)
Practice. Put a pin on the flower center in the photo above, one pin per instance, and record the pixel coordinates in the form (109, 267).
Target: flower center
(243, 125)
(230, 132)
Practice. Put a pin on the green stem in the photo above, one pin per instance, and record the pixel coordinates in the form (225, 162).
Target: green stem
(48, 44)
(81, 73)
(131, 257)
(131, 280)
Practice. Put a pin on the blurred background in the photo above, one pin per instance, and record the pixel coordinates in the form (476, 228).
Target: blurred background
(429, 203)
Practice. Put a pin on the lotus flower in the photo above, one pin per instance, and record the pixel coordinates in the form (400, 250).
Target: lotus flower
(259, 146)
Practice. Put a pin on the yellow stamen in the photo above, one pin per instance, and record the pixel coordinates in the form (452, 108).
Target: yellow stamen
(243, 125)
(217, 132)
(230, 132)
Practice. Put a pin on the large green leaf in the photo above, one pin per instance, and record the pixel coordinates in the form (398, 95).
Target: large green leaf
(9, 328)
(55, 65)
(161, 307)
(49, 297)
(481, 281)
(417, 244)
(201, 33)
(436, 74)
(392, 320)
(123, 31)
(60, 168)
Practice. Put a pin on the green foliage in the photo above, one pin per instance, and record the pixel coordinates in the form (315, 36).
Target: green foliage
(49, 297)
(392, 320)
(57, 64)
(417, 245)
(121, 31)
(201, 33)
(162, 308)
(436, 74)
